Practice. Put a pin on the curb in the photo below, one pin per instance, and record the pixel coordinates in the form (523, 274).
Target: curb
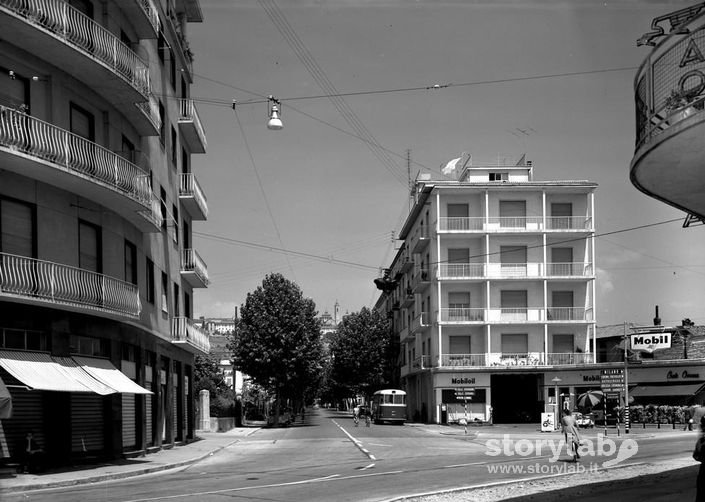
(120, 475)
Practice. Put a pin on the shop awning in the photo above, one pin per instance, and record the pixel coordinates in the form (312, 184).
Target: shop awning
(666, 390)
(76, 371)
(5, 401)
(104, 371)
(39, 371)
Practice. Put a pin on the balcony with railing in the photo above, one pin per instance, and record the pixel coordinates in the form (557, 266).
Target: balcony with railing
(408, 300)
(42, 151)
(193, 269)
(455, 271)
(144, 17)
(191, 127)
(562, 314)
(192, 197)
(420, 279)
(420, 239)
(185, 333)
(669, 92)
(420, 323)
(84, 49)
(421, 363)
(511, 360)
(461, 315)
(29, 280)
(569, 270)
(512, 224)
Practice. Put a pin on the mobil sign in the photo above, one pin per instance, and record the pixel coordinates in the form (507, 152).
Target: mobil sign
(651, 341)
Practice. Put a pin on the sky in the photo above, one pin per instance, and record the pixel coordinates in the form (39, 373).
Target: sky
(415, 84)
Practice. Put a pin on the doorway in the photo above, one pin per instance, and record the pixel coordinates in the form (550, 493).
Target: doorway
(516, 399)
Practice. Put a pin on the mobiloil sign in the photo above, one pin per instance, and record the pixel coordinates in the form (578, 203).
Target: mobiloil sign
(651, 341)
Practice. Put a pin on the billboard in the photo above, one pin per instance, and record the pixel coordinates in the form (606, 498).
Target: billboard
(651, 341)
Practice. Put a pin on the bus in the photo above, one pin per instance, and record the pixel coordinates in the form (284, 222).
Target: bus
(389, 405)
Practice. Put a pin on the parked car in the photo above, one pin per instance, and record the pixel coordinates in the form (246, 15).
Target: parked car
(584, 420)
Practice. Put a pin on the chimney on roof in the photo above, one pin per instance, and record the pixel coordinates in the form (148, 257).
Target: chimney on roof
(657, 319)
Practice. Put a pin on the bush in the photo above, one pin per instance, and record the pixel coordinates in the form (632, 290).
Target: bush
(222, 406)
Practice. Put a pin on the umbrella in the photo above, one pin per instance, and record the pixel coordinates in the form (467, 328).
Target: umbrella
(590, 398)
(5, 402)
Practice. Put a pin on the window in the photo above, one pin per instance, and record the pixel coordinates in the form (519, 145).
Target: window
(172, 69)
(165, 293)
(14, 92)
(187, 305)
(512, 213)
(561, 261)
(184, 88)
(513, 260)
(83, 6)
(128, 150)
(458, 306)
(23, 339)
(459, 255)
(563, 344)
(89, 247)
(515, 343)
(88, 346)
(162, 120)
(459, 344)
(150, 281)
(185, 167)
(499, 176)
(175, 218)
(514, 305)
(458, 210)
(562, 306)
(162, 203)
(130, 262)
(82, 122)
(17, 228)
(177, 311)
(174, 147)
(187, 235)
(562, 215)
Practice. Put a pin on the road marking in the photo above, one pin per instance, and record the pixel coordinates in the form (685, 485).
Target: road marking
(355, 441)
(377, 444)
(367, 467)
(216, 492)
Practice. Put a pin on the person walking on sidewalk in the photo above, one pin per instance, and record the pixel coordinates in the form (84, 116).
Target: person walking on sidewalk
(699, 455)
(569, 427)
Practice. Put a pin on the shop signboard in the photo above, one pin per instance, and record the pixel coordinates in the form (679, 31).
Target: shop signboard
(464, 393)
(649, 342)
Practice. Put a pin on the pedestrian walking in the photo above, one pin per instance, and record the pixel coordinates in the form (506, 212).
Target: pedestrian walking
(569, 427)
(699, 455)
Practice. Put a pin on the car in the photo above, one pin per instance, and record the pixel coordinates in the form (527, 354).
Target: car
(584, 421)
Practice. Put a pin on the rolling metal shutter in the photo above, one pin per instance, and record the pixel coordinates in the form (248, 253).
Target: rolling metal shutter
(129, 429)
(87, 423)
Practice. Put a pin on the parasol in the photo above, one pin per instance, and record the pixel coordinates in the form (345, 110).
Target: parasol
(590, 398)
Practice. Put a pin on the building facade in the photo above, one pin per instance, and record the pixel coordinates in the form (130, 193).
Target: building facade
(97, 203)
(493, 290)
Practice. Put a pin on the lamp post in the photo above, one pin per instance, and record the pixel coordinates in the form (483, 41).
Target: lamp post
(555, 381)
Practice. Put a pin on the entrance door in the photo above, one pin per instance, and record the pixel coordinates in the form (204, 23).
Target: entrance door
(516, 399)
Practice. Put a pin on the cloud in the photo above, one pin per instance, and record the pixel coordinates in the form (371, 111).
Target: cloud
(604, 282)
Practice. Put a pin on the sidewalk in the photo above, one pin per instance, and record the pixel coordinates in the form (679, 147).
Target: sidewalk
(178, 456)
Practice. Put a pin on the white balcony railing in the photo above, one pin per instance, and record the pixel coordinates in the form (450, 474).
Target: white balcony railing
(513, 223)
(184, 331)
(569, 269)
(192, 262)
(189, 187)
(461, 270)
(38, 280)
(463, 360)
(567, 314)
(421, 321)
(25, 134)
(150, 109)
(188, 114)
(507, 359)
(150, 10)
(81, 32)
(421, 362)
(462, 315)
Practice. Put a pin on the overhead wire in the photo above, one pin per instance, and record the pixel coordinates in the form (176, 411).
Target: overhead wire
(307, 59)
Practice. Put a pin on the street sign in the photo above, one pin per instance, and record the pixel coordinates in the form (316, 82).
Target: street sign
(612, 380)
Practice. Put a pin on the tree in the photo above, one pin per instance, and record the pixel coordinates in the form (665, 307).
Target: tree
(208, 376)
(360, 354)
(278, 340)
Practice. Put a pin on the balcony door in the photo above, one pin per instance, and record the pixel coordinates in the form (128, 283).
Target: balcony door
(17, 228)
(561, 261)
(514, 344)
(14, 92)
(89, 245)
(562, 215)
(458, 259)
(514, 304)
(513, 260)
(512, 213)
(562, 306)
(459, 306)
(458, 216)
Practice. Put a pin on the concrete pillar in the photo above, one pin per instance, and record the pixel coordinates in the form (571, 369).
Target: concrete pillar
(204, 406)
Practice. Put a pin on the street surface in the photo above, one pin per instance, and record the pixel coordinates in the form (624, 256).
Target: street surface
(328, 458)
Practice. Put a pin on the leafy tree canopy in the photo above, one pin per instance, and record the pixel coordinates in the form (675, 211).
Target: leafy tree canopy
(208, 376)
(360, 354)
(277, 342)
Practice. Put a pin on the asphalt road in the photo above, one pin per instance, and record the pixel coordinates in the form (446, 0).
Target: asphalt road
(328, 458)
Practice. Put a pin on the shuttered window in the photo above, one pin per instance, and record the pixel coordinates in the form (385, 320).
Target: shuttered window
(17, 228)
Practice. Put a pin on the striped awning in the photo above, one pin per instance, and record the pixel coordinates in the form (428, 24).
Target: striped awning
(40, 371)
(104, 371)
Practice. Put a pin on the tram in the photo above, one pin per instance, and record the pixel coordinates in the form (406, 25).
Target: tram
(389, 405)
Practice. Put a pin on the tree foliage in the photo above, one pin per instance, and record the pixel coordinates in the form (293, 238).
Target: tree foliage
(277, 342)
(360, 354)
(208, 376)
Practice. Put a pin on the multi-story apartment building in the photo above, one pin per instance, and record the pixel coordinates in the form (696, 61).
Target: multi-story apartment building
(670, 112)
(97, 203)
(493, 289)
